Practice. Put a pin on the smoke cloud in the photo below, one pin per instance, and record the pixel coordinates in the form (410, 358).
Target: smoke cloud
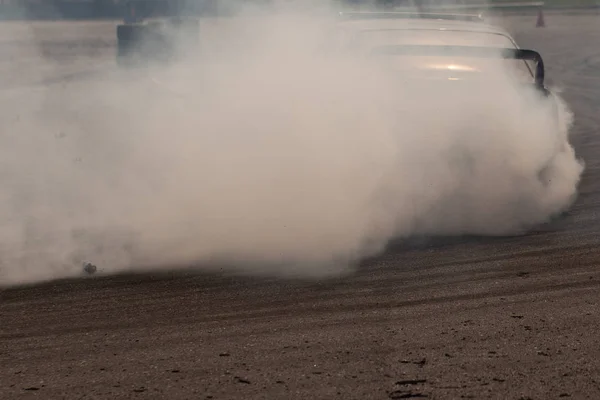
(271, 148)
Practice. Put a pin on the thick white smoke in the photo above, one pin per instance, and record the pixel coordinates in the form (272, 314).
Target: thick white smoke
(268, 151)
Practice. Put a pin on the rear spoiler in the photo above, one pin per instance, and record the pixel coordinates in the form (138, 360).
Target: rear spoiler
(471, 51)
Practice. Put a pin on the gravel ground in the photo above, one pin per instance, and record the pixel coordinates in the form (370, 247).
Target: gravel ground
(511, 318)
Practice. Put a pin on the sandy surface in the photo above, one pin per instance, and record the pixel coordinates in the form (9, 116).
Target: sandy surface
(511, 318)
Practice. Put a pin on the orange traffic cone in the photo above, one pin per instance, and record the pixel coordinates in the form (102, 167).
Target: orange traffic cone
(540, 19)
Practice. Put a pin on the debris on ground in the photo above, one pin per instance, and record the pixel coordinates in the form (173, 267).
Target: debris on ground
(89, 268)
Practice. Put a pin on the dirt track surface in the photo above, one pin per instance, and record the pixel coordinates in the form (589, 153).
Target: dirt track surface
(510, 318)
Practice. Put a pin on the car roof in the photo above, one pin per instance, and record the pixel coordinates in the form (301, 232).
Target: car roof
(462, 29)
(430, 30)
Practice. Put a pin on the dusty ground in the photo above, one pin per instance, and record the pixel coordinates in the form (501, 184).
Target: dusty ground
(512, 318)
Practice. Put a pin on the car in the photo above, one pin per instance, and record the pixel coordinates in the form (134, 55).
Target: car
(445, 36)
(154, 30)
(445, 49)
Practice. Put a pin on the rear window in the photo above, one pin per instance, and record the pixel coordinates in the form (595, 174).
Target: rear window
(384, 37)
(373, 38)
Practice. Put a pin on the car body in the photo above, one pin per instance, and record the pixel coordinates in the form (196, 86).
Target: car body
(453, 51)
(463, 46)
(153, 30)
